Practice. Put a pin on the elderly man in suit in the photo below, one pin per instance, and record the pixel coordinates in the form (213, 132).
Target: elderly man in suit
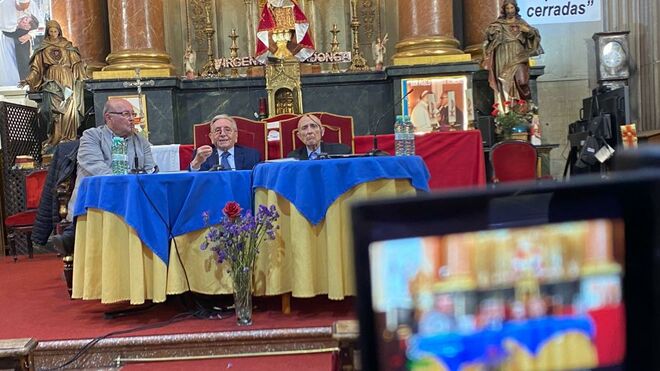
(224, 152)
(95, 155)
(310, 132)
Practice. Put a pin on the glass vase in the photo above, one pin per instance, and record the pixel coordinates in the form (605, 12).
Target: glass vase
(243, 296)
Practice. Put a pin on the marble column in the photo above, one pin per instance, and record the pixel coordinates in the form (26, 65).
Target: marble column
(137, 35)
(426, 32)
(251, 18)
(477, 15)
(85, 24)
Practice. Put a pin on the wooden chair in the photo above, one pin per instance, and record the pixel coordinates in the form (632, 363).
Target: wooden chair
(513, 160)
(338, 129)
(21, 135)
(250, 134)
(24, 221)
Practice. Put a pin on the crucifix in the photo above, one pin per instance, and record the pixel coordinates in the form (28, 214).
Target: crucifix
(138, 83)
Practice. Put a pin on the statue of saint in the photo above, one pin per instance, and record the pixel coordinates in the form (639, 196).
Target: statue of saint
(189, 62)
(57, 70)
(510, 42)
(378, 49)
(283, 32)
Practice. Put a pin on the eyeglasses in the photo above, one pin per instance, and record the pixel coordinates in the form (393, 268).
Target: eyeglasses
(227, 130)
(126, 114)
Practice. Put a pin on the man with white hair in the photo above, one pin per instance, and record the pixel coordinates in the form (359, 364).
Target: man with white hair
(224, 153)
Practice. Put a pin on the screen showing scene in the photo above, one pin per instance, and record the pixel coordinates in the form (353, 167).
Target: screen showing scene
(534, 298)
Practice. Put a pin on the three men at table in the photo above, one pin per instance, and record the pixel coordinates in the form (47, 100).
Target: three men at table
(310, 132)
(95, 154)
(224, 154)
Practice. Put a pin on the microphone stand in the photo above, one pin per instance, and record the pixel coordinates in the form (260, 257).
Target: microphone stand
(136, 162)
(375, 151)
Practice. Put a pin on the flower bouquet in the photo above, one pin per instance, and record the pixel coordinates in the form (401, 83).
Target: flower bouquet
(513, 115)
(237, 240)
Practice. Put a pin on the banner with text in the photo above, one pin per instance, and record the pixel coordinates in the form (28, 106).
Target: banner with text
(560, 11)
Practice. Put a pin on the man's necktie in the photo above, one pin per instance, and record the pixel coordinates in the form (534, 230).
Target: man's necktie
(313, 156)
(224, 162)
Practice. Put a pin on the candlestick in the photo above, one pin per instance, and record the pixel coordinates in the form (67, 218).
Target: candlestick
(334, 47)
(209, 69)
(233, 51)
(358, 63)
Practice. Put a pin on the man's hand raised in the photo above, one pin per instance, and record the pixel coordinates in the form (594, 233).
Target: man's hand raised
(202, 154)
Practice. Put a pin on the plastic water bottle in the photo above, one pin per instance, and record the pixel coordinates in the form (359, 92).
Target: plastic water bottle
(119, 163)
(399, 136)
(409, 144)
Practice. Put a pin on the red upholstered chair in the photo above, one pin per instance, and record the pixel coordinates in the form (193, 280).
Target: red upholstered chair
(23, 221)
(513, 160)
(250, 134)
(338, 129)
(201, 134)
(281, 116)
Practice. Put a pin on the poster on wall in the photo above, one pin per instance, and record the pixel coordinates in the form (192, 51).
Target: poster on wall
(436, 103)
(560, 11)
(22, 26)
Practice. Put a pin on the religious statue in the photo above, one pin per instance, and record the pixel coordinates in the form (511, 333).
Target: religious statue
(283, 32)
(510, 42)
(378, 49)
(57, 70)
(189, 62)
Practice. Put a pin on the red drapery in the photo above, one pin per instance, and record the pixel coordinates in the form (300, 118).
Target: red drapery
(454, 159)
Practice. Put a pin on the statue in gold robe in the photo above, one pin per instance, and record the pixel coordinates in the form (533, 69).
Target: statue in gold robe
(510, 42)
(57, 70)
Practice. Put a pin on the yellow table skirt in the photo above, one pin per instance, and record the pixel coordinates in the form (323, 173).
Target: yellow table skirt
(112, 264)
(309, 260)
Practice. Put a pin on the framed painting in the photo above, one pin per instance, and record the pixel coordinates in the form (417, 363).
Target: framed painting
(436, 103)
(23, 25)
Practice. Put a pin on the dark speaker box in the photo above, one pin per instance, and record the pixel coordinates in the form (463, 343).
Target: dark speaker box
(486, 125)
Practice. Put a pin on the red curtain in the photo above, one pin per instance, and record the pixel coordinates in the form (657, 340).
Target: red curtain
(454, 159)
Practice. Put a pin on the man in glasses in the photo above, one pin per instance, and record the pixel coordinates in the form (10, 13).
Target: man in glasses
(224, 153)
(310, 132)
(95, 155)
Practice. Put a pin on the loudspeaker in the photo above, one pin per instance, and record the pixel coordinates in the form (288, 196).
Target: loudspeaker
(486, 125)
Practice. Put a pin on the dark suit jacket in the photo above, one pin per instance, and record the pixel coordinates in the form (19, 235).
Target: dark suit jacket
(245, 158)
(329, 148)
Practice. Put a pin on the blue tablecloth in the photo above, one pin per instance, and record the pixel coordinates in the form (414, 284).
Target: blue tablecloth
(175, 201)
(312, 186)
(487, 345)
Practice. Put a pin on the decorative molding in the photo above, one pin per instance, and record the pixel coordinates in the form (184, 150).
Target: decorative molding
(198, 23)
(370, 19)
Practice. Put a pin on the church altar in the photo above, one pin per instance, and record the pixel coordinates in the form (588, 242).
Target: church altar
(174, 105)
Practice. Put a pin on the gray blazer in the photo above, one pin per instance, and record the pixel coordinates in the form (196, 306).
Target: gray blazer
(95, 156)
(95, 152)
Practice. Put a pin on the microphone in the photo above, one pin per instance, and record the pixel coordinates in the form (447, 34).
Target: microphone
(375, 151)
(218, 166)
(136, 162)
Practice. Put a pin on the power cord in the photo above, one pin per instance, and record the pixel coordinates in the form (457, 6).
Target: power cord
(177, 318)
